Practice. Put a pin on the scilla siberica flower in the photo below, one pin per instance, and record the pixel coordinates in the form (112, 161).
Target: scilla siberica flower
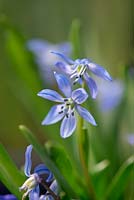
(79, 71)
(68, 104)
(31, 185)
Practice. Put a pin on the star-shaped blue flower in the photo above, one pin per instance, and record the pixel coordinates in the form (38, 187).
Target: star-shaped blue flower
(31, 185)
(67, 107)
(79, 71)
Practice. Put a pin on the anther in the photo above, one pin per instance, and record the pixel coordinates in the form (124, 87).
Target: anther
(67, 115)
(61, 112)
(72, 113)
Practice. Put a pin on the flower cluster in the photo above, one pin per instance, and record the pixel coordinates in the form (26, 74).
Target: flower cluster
(70, 103)
(40, 175)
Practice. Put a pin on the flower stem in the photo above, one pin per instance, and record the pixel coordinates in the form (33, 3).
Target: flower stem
(80, 132)
(44, 184)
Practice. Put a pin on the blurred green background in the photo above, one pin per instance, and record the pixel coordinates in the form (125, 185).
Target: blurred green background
(107, 34)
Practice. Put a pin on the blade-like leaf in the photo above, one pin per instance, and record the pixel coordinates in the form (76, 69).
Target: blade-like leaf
(24, 81)
(45, 158)
(119, 182)
(9, 174)
(61, 159)
(99, 178)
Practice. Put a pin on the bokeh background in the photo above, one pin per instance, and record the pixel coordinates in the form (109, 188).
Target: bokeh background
(107, 36)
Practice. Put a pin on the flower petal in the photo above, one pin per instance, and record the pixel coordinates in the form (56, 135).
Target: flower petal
(34, 194)
(84, 113)
(91, 85)
(42, 169)
(79, 95)
(8, 197)
(99, 71)
(55, 114)
(51, 95)
(68, 125)
(28, 162)
(54, 188)
(63, 84)
(64, 67)
(66, 59)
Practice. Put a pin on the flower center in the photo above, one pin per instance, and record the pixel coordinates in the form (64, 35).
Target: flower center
(67, 107)
(79, 72)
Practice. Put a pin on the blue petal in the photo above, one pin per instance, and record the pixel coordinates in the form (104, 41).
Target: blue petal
(64, 67)
(51, 95)
(99, 71)
(91, 85)
(68, 126)
(28, 162)
(79, 95)
(42, 169)
(54, 187)
(66, 59)
(63, 84)
(84, 113)
(34, 194)
(54, 115)
(8, 197)
(37, 46)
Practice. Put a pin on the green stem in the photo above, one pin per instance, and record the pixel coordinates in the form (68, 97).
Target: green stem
(80, 132)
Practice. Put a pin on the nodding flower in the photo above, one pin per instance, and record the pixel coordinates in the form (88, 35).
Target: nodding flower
(31, 185)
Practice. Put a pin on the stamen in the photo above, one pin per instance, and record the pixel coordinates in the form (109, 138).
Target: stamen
(72, 113)
(61, 112)
(67, 115)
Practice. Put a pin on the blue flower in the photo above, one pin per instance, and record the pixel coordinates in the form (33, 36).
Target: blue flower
(107, 100)
(130, 138)
(44, 59)
(78, 71)
(53, 187)
(8, 197)
(68, 104)
(31, 185)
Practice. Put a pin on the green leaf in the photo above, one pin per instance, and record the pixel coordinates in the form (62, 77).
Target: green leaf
(99, 178)
(24, 79)
(41, 151)
(9, 174)
(63, 162)
(119, 181)
(74, 38)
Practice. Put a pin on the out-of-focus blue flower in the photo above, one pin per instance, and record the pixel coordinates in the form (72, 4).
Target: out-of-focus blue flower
(68, 104)
(130, 138)
(45, 59)
(110, 94)
(8, 197)
(31, 185)
(79, 71)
